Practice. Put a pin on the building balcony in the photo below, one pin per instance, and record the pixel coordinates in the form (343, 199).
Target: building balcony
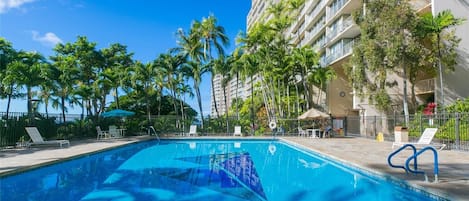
(342, 7)
(426, 86)
(317, 11)
(342, 51)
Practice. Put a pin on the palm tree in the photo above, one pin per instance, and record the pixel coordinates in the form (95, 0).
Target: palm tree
(321, 76)
(65, 69)
(222, 66)
(196, 70)
(170, 66)
(434, 26)
(116, 60)
(142, 76)
(7, 55)
(26, 71)
(213, 36)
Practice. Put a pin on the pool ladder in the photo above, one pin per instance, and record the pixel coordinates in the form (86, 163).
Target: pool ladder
(413, 157)
(152, 129)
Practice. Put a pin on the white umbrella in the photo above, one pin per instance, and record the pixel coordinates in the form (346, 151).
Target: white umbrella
(313, 114)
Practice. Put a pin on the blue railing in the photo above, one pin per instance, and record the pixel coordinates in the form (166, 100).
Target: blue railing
(414, 158)
(435, 162)
(399, 150)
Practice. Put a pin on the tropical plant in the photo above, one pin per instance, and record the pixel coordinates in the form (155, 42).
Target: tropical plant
(434, 27)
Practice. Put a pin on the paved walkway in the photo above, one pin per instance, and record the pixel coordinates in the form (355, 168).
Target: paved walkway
(364, 153)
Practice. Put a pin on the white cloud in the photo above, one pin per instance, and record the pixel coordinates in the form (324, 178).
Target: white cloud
(49, 39)
(5, 5)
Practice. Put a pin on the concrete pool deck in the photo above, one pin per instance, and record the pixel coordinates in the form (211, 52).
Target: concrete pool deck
(359, 152)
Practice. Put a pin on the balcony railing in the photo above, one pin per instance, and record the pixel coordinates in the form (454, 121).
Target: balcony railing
(346, 49)
(341, 26)
(317, 9)
(425, 86)
(336, 8)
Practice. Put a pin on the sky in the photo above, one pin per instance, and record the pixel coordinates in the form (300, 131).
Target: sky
(146, 27)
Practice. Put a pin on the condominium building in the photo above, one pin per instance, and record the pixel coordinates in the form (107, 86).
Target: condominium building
(328, 27)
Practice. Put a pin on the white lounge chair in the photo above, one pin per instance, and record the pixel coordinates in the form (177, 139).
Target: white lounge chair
(425, 140)
(192, 130)
(102, 134)
(37, 139)
(237, 131)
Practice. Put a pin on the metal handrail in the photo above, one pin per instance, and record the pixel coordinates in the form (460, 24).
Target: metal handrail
(435, 167)
(399, 150)
(152, 129)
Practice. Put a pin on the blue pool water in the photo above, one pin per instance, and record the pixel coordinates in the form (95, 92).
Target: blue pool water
(202, 170)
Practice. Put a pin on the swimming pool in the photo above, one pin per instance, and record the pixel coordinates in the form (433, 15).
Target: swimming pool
(202, 170)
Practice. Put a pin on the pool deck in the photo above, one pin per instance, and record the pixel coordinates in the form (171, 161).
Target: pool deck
(366, 154)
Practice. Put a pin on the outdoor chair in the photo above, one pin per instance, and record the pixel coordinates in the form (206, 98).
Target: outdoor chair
(102, 134)
(425, 140)
(37, 139)
(192, 130)
(114, 132)
(237, 131)
(301, 132)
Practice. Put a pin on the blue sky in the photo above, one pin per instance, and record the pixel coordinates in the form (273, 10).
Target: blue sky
(146, 27)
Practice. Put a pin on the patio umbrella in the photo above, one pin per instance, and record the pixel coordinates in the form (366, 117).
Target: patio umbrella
(313, 114)
(117, 113)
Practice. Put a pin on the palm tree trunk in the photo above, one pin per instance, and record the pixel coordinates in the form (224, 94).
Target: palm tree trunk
(213, 96)
(62, 99)
(237, 98)
(199, 102)
(117, 99)
(440, 69)
(226, 112)
(30, 105)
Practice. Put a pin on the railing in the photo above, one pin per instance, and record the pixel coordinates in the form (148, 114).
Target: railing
(344, 50)
(317, 9)
(399, 150)
(341, 26)
(425, 86)
(336, 7)
(453, 128)
(435, 163)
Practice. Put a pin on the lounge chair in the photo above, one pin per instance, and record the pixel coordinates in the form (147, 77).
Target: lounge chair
(425, 140)
(37, 139)
(102, 134)
(192, 130)
(237, 131)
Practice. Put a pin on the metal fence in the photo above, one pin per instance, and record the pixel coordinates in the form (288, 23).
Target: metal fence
(453, 128)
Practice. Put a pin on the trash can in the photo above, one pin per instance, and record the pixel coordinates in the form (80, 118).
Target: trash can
(401, 134)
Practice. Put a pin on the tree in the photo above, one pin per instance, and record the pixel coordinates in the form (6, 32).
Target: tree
(213, 36)
(7, 56)
(142, 82)
(116, 60)
(65, 71)
(26, 71)
(385, 42)
(196, 70)
(433, 27)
